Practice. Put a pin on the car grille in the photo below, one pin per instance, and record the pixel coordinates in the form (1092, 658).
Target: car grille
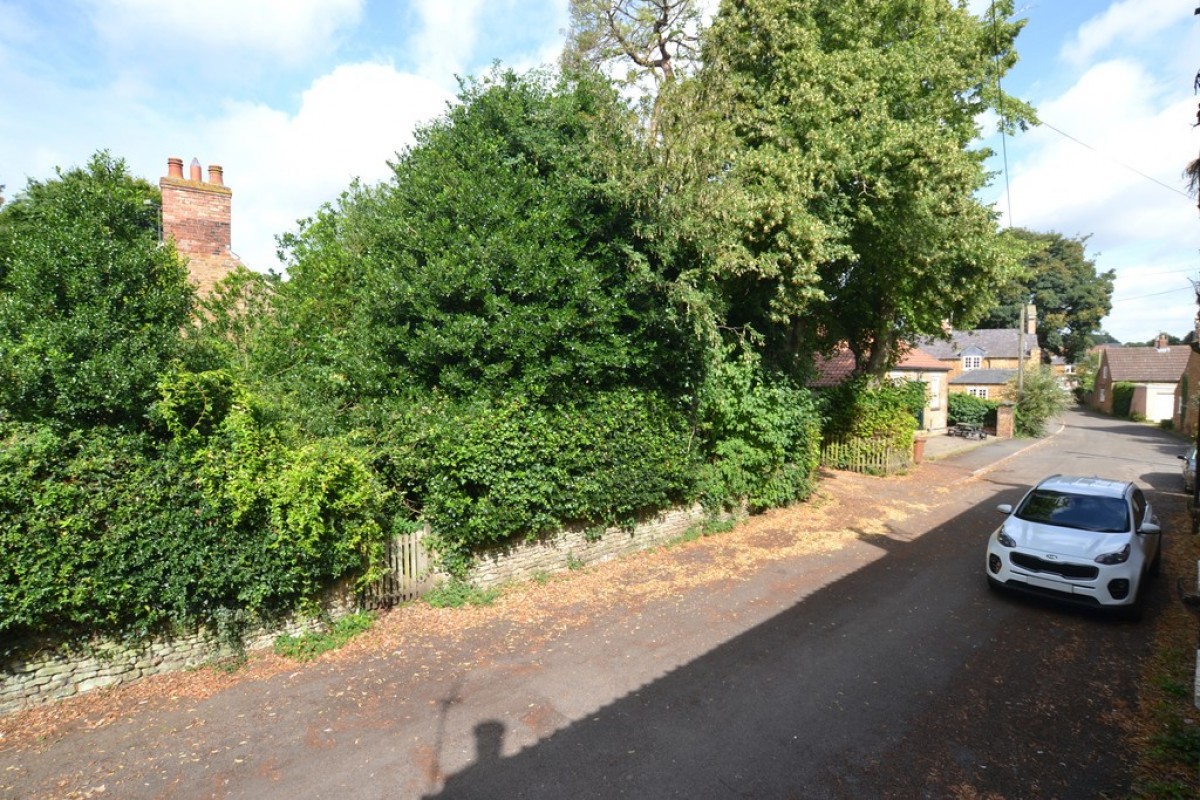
(1079, 572)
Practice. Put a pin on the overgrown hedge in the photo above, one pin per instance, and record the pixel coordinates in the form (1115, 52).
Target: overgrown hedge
(486, 472)
(965, 408)
(109, 531)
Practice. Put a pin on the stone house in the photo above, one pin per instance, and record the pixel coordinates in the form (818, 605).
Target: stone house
(983, 362)
(1155, 372)
(197, 215)
(915, 365)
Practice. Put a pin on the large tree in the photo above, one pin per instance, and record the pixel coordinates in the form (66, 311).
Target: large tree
(1071, 296)
(645, 43)
(842, 139)
(91, 305)
(504, 255)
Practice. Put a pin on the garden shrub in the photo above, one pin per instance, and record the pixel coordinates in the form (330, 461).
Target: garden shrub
(862, 408)
(1122, 398)
(762, 438)
(968, 409)
(1038, 400)
(110, 531)
(489, 471)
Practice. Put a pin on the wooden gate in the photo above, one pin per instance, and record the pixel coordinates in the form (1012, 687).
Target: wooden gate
(406, 571)
(872, 456)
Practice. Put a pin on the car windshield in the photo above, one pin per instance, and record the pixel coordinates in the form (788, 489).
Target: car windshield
(1083, 511)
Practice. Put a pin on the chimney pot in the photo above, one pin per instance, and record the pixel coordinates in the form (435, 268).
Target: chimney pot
(175, 167)
(216, 175)
(195, 170)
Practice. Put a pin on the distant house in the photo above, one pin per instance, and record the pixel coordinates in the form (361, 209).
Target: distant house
(1155, 373)
(915, 365)
(983, 362)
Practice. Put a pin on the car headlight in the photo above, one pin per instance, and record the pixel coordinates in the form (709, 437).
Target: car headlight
(1004, 539)
(1119, 557)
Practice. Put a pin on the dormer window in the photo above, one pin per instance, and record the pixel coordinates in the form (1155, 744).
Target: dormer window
(972, 362)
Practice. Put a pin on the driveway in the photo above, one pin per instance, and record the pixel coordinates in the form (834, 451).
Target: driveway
(844, 648)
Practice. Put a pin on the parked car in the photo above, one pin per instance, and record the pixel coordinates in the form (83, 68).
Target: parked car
(1088, 541)
(1189, 470)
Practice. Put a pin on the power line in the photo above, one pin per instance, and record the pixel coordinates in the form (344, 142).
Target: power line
(1153, 294)
(1117, 161)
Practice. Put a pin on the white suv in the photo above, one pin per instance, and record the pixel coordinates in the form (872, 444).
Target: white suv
(1088, 541)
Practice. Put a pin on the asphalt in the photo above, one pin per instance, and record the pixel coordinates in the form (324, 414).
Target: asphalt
(976, 455)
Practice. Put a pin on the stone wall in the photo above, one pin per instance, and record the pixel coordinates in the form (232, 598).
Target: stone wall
(53, 673)
(579, 546)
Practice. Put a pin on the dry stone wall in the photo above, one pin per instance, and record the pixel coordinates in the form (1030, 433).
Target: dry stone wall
(55, 673)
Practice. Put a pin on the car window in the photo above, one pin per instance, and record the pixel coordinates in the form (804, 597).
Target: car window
(1082, 511)
(1139, 508)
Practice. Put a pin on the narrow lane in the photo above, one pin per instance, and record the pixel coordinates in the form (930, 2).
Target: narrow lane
(881, 669)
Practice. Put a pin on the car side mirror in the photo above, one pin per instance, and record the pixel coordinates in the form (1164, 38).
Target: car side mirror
(1004, 508)
(1182, 458)
(1149, 527)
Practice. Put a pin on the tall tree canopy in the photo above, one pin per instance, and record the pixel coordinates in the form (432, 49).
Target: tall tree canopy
(1071, 296)
(91, 306)
(502, 256)
(841, 137)
(647, 43)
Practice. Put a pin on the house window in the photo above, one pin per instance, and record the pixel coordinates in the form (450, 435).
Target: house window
(978, 391)
(972, 362)
(1104, 374)
(1101, 394)
(935, 392)
(1069, 369)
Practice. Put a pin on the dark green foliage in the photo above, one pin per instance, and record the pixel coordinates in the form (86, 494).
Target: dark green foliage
(968, 409)
(1122, 398)
(1039, 400)
(91, 307)
(109, 531)
(485, 472)
(761, 436)
(502, 258)
(864, 408)
(1062, 282)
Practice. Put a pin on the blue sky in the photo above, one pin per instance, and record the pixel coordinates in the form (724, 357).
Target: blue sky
(294, 98)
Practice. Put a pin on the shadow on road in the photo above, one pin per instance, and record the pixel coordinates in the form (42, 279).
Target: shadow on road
(952, 688)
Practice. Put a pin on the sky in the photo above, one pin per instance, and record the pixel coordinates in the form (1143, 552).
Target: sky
(295, 98)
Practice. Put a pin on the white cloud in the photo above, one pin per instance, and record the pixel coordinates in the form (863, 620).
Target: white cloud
(447, 36)
(283, 167)
(1125, 23)
(1108, 164)
(285, 30)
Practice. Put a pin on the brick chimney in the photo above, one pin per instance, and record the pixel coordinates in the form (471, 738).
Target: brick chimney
(196, 215)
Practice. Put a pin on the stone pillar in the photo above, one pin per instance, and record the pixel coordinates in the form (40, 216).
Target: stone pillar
(1004, 421)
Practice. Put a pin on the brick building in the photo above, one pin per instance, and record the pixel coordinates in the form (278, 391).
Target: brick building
(197, 216)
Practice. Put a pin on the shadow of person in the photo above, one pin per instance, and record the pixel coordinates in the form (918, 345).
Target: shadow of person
(489, 739)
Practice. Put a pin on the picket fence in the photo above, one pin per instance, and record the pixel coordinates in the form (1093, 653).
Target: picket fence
(871, 456)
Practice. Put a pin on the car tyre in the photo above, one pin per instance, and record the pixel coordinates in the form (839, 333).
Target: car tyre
(1156, 564)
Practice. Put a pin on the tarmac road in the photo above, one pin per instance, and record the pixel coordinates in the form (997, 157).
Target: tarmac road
(881, 669)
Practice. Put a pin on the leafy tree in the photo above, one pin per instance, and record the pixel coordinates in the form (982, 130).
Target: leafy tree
(1071, 296)
(1039, 400)
(91, 307)
(841, 140)
(650, 38)
(503, 256)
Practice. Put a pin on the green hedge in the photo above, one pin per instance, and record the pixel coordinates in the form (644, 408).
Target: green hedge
(110, 531)
(490, 471)
(969, 409)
